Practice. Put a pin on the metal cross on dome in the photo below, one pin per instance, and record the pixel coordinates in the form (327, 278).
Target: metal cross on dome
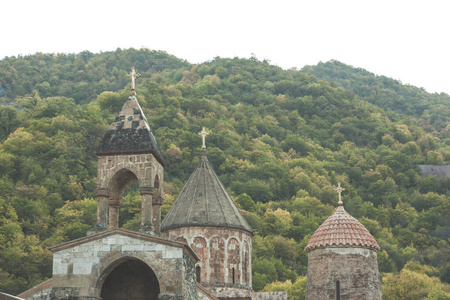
(339, 189)
(133, 76)
(203, 133)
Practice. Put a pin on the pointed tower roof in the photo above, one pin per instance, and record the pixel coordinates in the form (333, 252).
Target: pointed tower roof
(204, 202)
(130, 132)
(341, 230)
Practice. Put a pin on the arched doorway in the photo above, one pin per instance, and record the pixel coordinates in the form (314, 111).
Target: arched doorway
(133, 280)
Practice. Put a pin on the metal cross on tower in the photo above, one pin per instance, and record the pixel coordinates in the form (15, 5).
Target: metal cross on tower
(133, 76)
(203, 133)
(339, 189)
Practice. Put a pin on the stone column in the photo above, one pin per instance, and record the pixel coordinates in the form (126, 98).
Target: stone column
(146, 211)
(102, 209)
(113, 213)
(156, 221)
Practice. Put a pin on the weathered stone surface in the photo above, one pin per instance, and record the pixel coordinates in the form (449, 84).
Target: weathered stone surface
(356, 269)
(269, 295)
(220, 251)
(438, 171)
(81, 267)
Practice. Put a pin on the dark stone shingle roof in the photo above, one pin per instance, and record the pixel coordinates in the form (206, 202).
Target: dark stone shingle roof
(129, 133)
(204, 202)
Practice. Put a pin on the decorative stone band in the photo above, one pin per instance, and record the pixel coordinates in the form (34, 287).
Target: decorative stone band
(222, 284)
(158, 201)
(366, 252)
(146, 190)
(114, 202)
(102, 192)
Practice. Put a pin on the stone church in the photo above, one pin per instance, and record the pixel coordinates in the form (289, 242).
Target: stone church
(203, 248)
(342, 259)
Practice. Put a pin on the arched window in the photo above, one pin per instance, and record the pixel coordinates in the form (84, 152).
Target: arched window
(233, 274)
(197, 273)
(338, 290)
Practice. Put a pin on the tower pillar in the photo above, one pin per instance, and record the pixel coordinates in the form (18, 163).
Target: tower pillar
(156, 221)
(102, 208)
(113, 213)
(147, 209)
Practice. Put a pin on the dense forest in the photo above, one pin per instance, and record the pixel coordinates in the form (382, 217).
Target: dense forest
(280, 141)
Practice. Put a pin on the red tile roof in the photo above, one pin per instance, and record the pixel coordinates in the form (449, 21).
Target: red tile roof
(341, 230)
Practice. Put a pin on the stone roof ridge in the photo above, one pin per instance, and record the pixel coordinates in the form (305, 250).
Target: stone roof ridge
(130, 132)
(341, 230)
(5, 296)
(36, 289)
(204, 201)
(205, 291)
(124, 232)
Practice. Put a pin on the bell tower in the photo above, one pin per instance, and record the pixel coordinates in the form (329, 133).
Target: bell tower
(128, 153)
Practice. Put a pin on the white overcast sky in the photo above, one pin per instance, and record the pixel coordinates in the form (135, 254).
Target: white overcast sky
(405, 40)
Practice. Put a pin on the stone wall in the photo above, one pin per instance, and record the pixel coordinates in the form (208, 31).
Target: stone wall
(222, 252)
(438, 171)
(269, 295)
(190, 291)
(79, 270)
(350, 272)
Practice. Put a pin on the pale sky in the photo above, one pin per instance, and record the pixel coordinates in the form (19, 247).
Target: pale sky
(404, 40)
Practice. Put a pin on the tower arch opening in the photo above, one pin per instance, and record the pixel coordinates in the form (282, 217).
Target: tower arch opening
(129, 279)
(121, 180)
(119, 183)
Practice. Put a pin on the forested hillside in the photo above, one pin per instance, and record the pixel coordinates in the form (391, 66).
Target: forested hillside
(280, 141)
(396, 99)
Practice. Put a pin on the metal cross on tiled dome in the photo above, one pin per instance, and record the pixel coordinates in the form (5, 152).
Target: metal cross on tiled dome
(341, 230)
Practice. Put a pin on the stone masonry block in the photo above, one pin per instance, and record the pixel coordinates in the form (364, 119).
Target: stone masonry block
(172, 254)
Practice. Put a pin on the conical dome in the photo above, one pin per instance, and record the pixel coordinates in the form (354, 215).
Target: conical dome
(130, 133)
(341, 230)
(204, 202)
